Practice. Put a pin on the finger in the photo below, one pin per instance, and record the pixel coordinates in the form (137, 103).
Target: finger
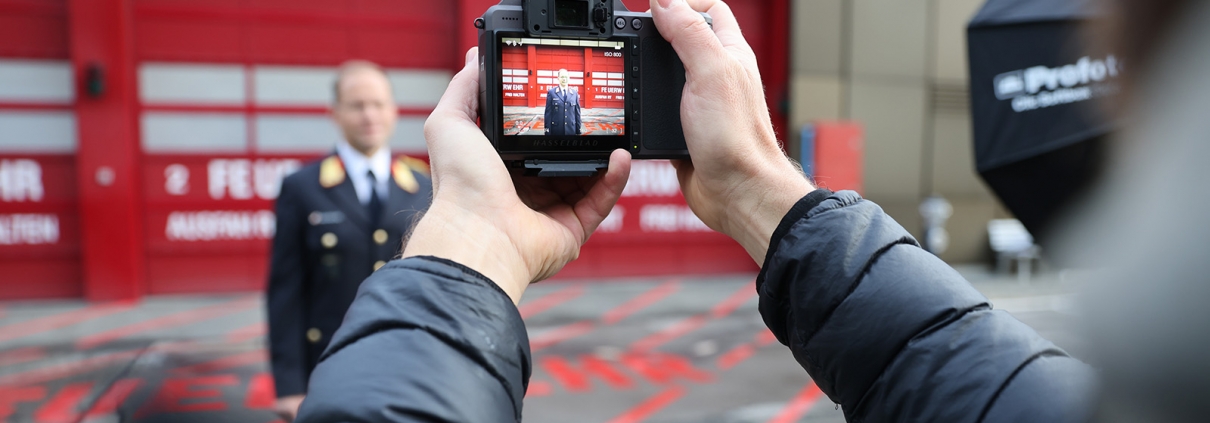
(726, 27)
(456, 111)
(604, 194)
(461, 98)
(695, 43)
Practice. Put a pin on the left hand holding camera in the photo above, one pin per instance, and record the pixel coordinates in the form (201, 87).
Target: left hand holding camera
(513, 229)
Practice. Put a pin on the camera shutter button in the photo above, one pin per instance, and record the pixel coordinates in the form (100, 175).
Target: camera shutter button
(620, 23)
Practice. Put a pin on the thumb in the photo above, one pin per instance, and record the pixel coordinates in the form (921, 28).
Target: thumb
(690, 35)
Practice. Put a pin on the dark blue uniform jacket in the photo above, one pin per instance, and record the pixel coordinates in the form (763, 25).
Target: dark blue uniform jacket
(885, 329)
(324, 247)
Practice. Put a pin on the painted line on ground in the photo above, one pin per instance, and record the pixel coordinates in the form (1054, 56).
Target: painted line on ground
(612, 316)
(650, 406)
(62, 370)
(247, 333)
(171, 320)
(735, 356)
(744, 351)
(21, 355)
(560, 334)
(226, 362)
(644, 300)
(59, 320)
(62, 406)
(108, 402)
(531, 308)
(799, 405)
(692, 323)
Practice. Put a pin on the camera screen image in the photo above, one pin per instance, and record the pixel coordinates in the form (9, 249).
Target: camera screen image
(556, 87)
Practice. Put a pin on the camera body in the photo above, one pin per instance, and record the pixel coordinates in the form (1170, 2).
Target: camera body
(563, 83)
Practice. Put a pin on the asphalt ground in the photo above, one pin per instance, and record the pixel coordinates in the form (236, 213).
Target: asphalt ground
(665, 349)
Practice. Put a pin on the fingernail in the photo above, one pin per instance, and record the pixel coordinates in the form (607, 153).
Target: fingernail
(665, 3)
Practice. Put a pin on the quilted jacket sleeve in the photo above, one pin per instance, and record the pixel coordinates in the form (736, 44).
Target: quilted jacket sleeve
(426, 340)
(893, 334)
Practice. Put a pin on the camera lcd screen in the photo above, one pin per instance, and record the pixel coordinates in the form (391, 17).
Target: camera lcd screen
(563, 88)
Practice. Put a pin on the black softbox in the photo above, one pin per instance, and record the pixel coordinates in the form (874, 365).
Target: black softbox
(1036, 88)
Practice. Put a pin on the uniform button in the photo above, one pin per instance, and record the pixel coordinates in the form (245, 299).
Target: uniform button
(328, 240)
(314, 335)
(380, 237)
(378, 264)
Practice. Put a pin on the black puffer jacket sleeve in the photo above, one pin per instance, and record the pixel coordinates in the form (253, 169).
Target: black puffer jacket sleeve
(426, 340)
(893, 334)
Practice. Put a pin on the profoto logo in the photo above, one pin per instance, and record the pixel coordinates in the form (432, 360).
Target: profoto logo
(1082, 81)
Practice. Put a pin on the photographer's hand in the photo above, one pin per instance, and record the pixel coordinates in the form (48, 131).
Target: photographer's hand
(512, 229)
(738, 180)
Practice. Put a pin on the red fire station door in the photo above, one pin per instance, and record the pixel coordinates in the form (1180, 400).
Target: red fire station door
(39, 219)
(234, 96)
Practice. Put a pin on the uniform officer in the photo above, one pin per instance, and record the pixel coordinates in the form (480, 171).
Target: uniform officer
(562, 108)
(338, 220)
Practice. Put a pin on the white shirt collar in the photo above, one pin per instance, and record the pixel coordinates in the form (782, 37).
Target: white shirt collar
(357, 164)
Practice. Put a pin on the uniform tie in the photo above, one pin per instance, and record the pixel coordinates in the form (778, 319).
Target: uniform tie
(374, 207)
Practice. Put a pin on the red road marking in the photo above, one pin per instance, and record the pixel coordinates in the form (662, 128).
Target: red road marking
(735, 356)
(176, 319)
(188, 395)
(614, 315)
(247, 358)
(575, 380)
(21, 355)
(109, 401)
(692, 323)
(650, 406)
(246, 333)
(640, 302)
(538, 388)
(62, 407)
(550, 300)
(559, 334)
(661, 368)
(9, 397)
(56, 321)
(765, 337)
(729, 305)
(59, 371)
(744, 351)
(799, 405)
(662, 337)
(260, 391)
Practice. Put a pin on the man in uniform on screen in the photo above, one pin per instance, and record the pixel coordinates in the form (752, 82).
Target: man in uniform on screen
(562, 108)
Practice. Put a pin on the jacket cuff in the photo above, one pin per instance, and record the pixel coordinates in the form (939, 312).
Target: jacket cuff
(796, 213)
(472, 273)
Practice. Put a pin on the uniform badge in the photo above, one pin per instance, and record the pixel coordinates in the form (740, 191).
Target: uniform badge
(404, 177)
(331, 172)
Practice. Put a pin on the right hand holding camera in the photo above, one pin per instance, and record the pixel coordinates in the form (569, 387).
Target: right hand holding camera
(738, 181)
(512, 229)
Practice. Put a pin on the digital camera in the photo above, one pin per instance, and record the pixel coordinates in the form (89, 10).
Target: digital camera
(563, 83)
